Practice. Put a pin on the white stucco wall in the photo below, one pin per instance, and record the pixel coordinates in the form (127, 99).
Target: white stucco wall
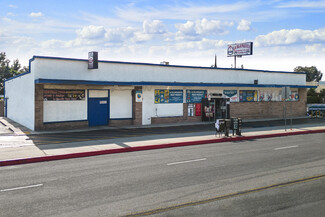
(120, 104)
(168, 110)
(21, 97)
(98, 93)
(57, 111)
(151, 109)
(78, 70)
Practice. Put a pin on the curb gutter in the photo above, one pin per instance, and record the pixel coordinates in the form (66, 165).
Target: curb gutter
(149, 147)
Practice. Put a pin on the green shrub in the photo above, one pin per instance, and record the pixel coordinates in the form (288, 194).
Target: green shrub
(313, 99)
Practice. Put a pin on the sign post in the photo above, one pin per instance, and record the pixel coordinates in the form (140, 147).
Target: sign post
(239, 50)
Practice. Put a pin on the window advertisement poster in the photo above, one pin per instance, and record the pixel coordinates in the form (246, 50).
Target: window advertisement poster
(198, 109)
(231, 94)
(195, 96)
(138, 96)
(294, 96)
(168, 96)
(269, 95)
(63, 95)
(247, 95)
(265, 96)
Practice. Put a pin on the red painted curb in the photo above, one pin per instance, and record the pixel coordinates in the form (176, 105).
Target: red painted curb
(149, 147)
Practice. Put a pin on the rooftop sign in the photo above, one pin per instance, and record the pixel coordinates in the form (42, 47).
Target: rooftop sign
(240, 49)
(93, 60)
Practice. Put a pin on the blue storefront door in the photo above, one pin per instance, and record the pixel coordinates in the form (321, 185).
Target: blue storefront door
(98, 111)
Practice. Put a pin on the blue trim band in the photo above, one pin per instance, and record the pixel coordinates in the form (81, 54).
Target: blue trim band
(152, 64)
(179, 84)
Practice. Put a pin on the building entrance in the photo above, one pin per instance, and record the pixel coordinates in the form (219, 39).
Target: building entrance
(98, 107)
(217, 107)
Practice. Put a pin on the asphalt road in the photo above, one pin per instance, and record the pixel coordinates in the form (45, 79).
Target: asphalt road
(274, 177)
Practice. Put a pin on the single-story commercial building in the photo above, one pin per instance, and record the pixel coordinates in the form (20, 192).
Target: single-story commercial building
(65, 93)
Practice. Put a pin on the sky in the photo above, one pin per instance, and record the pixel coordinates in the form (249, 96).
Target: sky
(285, 34)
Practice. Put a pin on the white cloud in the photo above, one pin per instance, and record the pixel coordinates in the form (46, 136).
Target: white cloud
(95, 19)
(36, 14)
(186, 12)
(12, 6)
(244, 25)
(204, 44)
(141, 37)
(119, 34)
(2, 33)
(315, 48)
(150, 30)
(153, 27)
(303, 4)
(191, 30)
(6, 19)
(91, 32)
(287, 37)
(53, 44)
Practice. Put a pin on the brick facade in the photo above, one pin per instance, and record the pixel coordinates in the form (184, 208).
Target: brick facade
(2, 108)
(184, 118)
(39, 89)
(65, 125)
(244, 110)
(256, 110)
(116, 123)
(136, 108)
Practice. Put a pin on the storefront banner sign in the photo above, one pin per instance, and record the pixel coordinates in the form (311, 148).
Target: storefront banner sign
(176, 96)
(63, 95)
(247, 95)
(195, 96)
(168, 96)
(231, 94)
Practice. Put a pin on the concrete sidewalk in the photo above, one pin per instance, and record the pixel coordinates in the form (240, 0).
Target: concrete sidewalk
(17, 148)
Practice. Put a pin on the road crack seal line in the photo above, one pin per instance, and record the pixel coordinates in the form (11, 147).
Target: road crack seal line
(222, 197)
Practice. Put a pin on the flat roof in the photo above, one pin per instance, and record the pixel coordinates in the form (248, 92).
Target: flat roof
(163, 65)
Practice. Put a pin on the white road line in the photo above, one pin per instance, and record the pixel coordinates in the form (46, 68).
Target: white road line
(294, 146)
(20, 188)
(188, 161)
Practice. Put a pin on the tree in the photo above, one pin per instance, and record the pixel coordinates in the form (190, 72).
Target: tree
(322, 95)
(312, 73)
(311, 92)
(7, 71)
